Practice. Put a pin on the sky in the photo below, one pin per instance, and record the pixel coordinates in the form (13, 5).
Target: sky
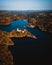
(25, 4)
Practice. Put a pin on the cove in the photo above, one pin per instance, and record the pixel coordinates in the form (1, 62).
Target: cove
(21, 24)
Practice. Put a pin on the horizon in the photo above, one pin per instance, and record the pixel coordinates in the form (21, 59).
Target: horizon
(26, 10)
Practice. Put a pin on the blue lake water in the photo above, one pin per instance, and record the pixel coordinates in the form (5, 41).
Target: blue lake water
(21, 24)
(14, 25)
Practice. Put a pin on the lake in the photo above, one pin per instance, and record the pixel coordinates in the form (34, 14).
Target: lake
(14, 25)
(28, 50)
